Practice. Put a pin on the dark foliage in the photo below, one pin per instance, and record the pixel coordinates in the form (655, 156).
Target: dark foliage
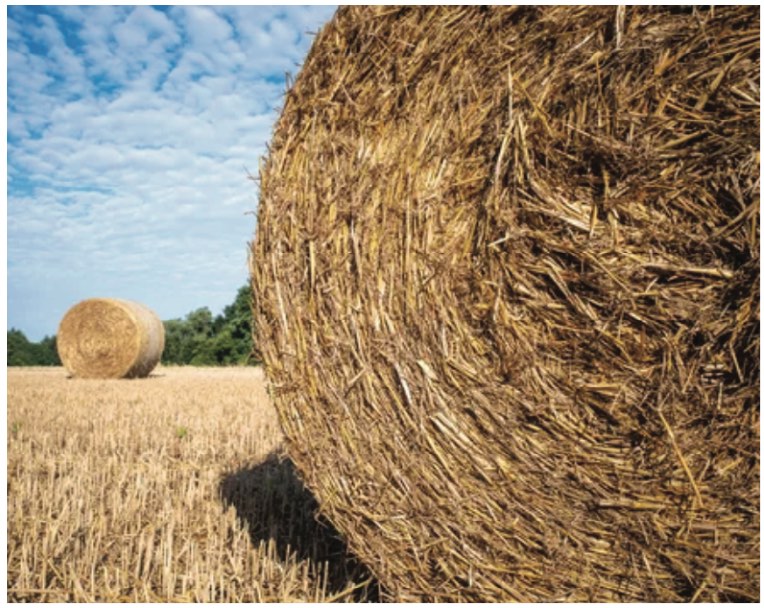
(23, 352)
(201, 339)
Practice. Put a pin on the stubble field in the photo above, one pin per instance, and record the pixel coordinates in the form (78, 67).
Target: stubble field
(170, 488)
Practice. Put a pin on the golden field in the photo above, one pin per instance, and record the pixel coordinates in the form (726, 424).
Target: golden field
(170, 488)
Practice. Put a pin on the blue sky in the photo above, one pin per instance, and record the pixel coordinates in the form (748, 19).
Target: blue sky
(131, 132)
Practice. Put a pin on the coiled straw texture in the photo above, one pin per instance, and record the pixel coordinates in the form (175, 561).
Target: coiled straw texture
(506, 282)
(109, 338)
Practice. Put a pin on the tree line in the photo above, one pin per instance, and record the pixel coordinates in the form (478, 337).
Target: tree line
(198, 339)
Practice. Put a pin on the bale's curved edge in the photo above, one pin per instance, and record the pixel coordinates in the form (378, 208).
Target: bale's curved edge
(506, 289)
(110, 338)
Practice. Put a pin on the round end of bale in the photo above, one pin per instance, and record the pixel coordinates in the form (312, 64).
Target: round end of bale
(506, 287)
(110, 338)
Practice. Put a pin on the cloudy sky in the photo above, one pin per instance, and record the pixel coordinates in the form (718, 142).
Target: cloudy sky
(131, 132)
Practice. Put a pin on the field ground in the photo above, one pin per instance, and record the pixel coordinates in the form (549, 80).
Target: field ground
(170, 488)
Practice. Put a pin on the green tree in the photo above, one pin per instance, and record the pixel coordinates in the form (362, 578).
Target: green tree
(49, 351)
(236, 334)
(174, 339)
(200, 339)
(23, 352)
(20, 351)
(184, 338)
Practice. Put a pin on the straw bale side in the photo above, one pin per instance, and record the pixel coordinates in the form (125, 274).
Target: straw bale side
(109, 338)
(506, 283)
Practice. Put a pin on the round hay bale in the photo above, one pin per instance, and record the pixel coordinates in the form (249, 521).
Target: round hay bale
(109, 338)
(506, 283)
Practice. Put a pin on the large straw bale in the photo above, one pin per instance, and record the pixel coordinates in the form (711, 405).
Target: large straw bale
(506, 281)
(110, 338)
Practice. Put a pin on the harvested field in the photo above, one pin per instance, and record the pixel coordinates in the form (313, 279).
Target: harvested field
(164, 489)
(506, 283)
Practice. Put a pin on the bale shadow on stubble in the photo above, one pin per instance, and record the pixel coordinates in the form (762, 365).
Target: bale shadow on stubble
(274, 504)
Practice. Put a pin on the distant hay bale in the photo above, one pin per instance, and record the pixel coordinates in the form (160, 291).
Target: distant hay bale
(108, 338)
(506, 284)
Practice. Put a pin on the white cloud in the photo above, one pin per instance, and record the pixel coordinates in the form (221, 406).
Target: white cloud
(131, 133)
(204, 26)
